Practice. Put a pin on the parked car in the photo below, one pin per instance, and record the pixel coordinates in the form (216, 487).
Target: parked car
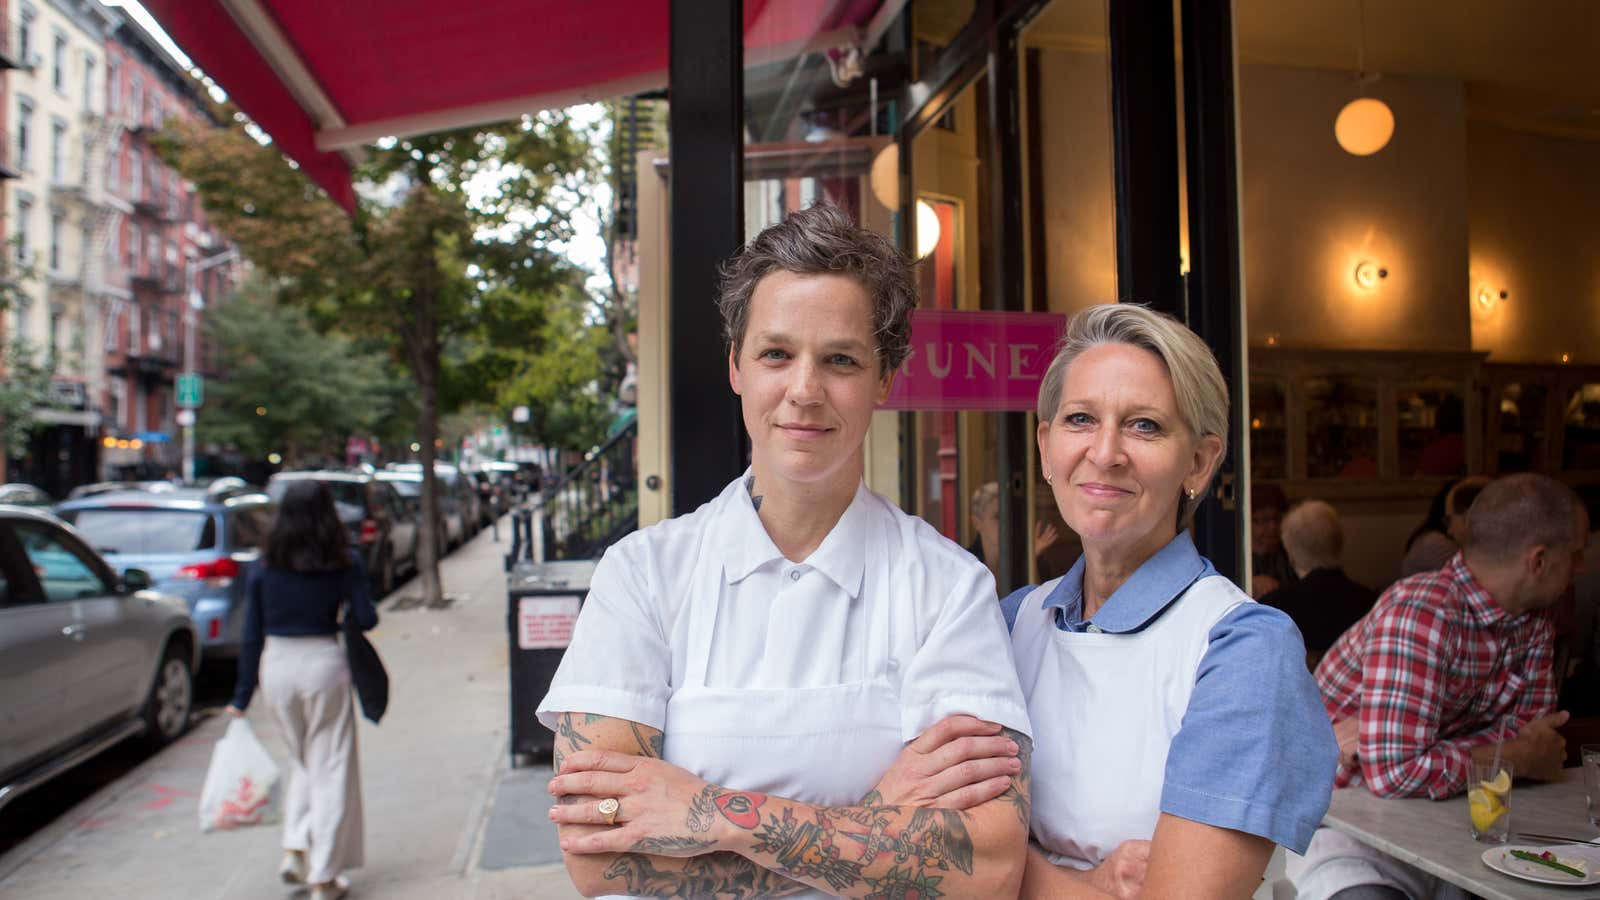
(376, 516)
(18, 494)
(452, 513)
(194, 543)
(88, 658)
(458, 500)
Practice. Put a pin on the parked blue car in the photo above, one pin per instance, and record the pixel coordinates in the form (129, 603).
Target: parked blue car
(195, 543)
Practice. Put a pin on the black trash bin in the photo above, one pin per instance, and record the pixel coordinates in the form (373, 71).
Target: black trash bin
(542, 607)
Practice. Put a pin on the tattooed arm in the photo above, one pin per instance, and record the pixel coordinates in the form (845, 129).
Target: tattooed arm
(866, 851)
(642, 872)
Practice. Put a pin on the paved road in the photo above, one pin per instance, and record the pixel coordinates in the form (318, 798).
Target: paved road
(126, 826)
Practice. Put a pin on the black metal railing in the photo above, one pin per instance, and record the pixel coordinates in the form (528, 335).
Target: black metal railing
(591, 506)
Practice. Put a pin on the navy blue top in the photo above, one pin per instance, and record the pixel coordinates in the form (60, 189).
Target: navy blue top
(296, 604)
(1255, 751)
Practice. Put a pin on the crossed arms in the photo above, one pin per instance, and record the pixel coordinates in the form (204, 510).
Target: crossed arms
(679, 836)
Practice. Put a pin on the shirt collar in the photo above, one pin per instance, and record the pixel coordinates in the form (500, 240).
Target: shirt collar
(1148, 591)
(842, 555)
(1478, 601)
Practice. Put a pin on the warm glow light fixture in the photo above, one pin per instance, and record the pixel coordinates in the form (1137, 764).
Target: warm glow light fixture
(1487, 297)
(1368, 274)
(1366, 124)
(927, 229)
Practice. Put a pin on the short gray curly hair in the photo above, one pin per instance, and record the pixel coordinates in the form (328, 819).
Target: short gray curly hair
(822, 240)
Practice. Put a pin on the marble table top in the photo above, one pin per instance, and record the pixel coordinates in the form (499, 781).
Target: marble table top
(1435, 836)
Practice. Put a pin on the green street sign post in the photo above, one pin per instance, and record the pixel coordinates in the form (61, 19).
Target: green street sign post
(191, 391)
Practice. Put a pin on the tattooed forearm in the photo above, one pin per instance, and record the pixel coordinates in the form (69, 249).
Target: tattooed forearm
(568, 739)
(877, 851)
(1020, 794)
(717, 875)
(649, 740)
(671, 845)
(703, 810)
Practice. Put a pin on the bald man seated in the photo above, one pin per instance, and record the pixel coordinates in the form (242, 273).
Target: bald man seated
(1325, 601)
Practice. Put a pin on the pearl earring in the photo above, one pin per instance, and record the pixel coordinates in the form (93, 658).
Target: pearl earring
(1191, 493)
(1048, 477)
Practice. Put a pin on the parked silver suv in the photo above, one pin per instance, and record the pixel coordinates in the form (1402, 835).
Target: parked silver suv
(88, 658)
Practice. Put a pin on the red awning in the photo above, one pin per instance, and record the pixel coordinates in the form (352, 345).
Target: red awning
(328, 76)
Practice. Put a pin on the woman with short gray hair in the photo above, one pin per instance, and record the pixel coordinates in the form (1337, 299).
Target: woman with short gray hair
(1178, 735)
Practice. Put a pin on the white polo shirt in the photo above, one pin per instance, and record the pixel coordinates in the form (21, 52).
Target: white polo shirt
(786, 625)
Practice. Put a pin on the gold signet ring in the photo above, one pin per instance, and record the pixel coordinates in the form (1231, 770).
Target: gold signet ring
(609, 808)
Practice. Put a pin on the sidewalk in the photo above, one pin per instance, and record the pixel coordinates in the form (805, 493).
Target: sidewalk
(439, 795)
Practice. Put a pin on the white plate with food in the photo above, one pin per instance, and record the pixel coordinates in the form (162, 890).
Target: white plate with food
(1545, 864)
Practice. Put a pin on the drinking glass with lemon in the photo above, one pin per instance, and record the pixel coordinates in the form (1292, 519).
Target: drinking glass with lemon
(1489, 801)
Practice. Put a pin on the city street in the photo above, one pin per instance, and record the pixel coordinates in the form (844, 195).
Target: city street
(445, 815)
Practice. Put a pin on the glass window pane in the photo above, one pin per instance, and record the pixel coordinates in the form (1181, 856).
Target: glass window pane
(63, 574)
(1341, 427)
(1269, 452)
(1521, 410)
(140, 531)
(1431, 418)
(1581, 449)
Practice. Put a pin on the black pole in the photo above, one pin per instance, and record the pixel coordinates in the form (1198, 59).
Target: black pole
(1215, 306)
(706, 130)
(1006, 290)
(1144, 120)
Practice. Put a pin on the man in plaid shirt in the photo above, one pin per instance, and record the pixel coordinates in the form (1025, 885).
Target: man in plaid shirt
(1443, 665)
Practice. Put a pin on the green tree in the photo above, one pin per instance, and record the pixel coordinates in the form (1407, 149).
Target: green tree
(452, 261)
(290, 388)
(24, 372)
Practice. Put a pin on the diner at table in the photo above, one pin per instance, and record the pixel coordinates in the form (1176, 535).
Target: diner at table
(1451, 668)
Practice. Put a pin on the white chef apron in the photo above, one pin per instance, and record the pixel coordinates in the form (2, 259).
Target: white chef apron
(1105, 708)
(826, 745)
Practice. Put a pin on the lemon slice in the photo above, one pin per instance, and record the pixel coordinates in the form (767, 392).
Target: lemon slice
(1485, 808)
(1500, 786)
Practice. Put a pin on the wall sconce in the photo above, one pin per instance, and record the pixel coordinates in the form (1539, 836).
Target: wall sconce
(1272, 338)
(1566, 357)
(1487, 298)
(1368, 274)
(927, 230)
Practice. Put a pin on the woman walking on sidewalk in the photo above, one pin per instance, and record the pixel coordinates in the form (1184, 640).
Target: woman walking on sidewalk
(307, 574)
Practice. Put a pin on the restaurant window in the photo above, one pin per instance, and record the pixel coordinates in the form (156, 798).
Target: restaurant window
(1432, 430)
(1581, 443)
(1269, 450)
(1522, 427)
(1341, 427)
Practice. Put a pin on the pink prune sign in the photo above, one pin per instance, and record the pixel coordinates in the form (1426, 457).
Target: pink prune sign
(964, 360)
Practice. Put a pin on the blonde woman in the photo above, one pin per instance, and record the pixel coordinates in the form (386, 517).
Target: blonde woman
(1177, 733)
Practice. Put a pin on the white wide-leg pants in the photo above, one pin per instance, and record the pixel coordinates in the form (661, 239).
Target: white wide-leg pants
(306, 683)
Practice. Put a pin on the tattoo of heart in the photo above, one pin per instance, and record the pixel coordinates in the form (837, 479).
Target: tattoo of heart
(671, 846)
(742, 808)
(703, 809)
(806, 850)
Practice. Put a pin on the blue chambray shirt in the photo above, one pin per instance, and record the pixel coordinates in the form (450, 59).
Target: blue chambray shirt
(1255, 751)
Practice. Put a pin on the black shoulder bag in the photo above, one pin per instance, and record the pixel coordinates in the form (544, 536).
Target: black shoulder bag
(366, 668)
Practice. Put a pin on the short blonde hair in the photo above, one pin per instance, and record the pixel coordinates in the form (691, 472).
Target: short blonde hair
(1197, 381)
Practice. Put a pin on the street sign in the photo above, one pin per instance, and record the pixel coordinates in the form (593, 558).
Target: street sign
(185, 418)
(191, 391)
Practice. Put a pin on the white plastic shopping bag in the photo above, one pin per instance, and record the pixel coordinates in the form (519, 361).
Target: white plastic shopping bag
(242, 784)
